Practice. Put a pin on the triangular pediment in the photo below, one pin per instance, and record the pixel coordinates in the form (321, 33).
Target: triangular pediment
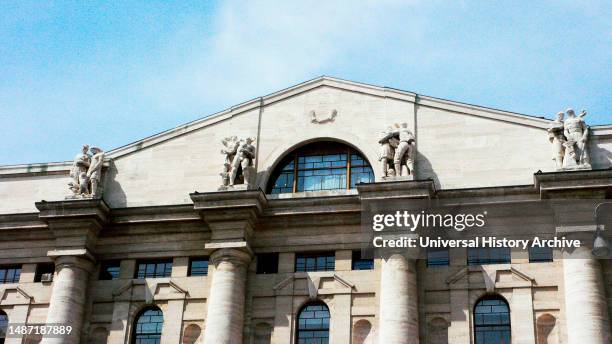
(495, 276)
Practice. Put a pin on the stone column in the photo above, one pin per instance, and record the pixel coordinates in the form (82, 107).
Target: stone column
(225, 316)
(399, 313)
(68, 298)
(585, 299)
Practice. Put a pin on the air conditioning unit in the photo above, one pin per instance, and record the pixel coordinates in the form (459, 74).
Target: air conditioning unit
(46, 277)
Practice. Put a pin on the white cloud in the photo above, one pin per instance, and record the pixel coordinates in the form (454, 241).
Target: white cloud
(261, 46)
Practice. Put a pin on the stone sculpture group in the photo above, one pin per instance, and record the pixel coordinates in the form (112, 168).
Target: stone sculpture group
(86, 172)
(397, 152)
(569, 138)
(238, 168)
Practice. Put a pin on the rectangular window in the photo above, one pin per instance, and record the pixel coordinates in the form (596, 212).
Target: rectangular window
(540, 254)
(437, 257)
(110, 270)
(10, 274)
(43, 269)
(154, 269)
(198, 267)
(324, 261)
(267, 263)
(359, 263)
(488, 255)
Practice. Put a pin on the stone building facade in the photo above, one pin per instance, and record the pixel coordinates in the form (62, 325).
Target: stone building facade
(164, 249)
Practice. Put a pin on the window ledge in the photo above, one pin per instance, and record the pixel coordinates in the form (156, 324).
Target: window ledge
(306, 194)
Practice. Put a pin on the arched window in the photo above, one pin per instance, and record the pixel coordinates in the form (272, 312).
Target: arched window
(3, 326)
(492, 321)
(324, 165)
(313, 324)
(148, 327)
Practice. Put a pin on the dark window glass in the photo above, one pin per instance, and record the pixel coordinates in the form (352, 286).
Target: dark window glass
(497, 255)
(149, 327)
(10, 274)
(359, 263)
(437, 256)
(154, 269)
(325, 261)
(43, 269)
(313, 325)
(110, 270)
(3, 326)
(321, 166)
(198, 267)
(492, 321)
(267, 263)
(540, 254)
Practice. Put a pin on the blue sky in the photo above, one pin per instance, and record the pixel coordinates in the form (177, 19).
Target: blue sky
(110, 73)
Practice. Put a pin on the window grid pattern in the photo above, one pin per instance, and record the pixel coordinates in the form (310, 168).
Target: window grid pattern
(315, 262)
(309, 171)
(492, 322)
(359, 263)
(540, 254)
(361, 172)
(437, 257)
(488, 255)
(313, 325)
(3, 326)
(149, 327)
(154, 269)
(321, 172)
(10, 274)
(198, 267)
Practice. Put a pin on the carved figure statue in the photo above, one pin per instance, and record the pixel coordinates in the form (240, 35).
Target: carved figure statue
(78, 172)
(243, 160)
(388, 144)
(557, 138)
(577, 134)
(397, 151)
(86, 172)
(403, 159)
(94, 173)
(231, 148)
(239, 162)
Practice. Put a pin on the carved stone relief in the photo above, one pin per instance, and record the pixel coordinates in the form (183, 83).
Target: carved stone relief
(320, 117)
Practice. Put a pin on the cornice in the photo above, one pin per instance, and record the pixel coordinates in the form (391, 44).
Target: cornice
(566, 183)
(414, 189)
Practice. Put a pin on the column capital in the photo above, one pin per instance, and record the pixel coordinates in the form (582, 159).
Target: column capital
(81, 259)
(234, 255)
